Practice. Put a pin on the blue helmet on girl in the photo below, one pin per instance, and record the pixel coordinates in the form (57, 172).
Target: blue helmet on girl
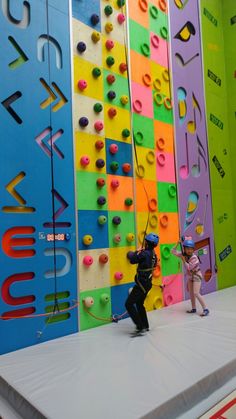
(189, 243)
(152, 238)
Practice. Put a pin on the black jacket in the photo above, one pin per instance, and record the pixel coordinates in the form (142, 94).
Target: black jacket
(147, 260)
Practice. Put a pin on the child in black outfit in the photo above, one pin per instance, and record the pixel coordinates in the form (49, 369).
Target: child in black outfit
(147, 261)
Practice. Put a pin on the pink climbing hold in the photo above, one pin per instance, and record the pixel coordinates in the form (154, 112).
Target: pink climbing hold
(98, 125)
(121, 18)
(84, 161)
(118, 276)
(115, 183)
(113, 148)
(109, 44)
(82, 84)
(88, 260)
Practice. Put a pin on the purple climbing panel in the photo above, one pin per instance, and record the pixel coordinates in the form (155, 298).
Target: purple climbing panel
(191, 137)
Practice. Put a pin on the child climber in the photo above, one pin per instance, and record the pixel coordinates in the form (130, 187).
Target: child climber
(194, 274)
(147, 261)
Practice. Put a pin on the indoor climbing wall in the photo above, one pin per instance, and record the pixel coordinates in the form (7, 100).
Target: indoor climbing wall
(191, 136)
(104, 161)
(152, 122)
(35, 112)
(218, 38)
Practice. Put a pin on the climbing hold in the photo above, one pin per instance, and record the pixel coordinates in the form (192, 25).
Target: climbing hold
(145, 49)
(137, 106)
(160, 142)
(95, 19)
(172, 191)
(88, 302)
(138, 138)
(155, 41)
(96, 72)
(130, 237)
(88, 260)
(120, 3)
(112, 112)
(110, 61)
(124, 99)
(164, 32)
(121, 18)
(117, 238)
(164, 220)
(154, 12)
(123, 67)
(87, 240)
(98, 126)
(108, 10)
(83, 122)
(99, 144)
(95, 37)
(113, 148)
(143, 4)
(100, 182)
(115, 183)
(84, 161)
(165, 251)
(147, 79)
(161, 159)
(162, 5)
(81, 47)
(109, 44)
(116, 220)
(110, 78)
(150, 157)
(157, 85)
(128, 202)
(102, 219)
(100, 163)
(82, 84)
(111, 95)
(104, 298)
(118, 276)
(97, 107)
(101, 200)
(126, 167)
(114, 166)
(125, 133)
(152, 204)
(108, 27)
(103, 258)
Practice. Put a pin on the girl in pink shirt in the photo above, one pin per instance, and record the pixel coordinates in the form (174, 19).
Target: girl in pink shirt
(194, 274)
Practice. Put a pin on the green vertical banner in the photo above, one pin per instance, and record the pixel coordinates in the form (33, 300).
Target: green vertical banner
(219, 66)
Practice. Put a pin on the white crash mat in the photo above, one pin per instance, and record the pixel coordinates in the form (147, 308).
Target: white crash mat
(103, 373)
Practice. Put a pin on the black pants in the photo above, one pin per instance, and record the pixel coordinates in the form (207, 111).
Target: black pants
(135, 305)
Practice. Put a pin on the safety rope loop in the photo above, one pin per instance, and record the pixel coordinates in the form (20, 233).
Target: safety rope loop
(56, 304)
(131, 121)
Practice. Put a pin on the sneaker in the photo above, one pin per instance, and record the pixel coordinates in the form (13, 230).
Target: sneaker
(205, 312)
(138, 332)
(194, 310)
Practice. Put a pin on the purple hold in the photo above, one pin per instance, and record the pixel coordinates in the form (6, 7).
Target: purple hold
(101, 200)
(83, 121)
(81, 47)
(111, 94)
(116, 220)
(100, 163)
(95, 19)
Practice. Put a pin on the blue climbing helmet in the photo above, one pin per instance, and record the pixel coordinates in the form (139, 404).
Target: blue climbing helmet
(189, 243)
(152, 238)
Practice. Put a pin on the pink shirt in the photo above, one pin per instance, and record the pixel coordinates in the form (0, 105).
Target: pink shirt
(192, 266)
